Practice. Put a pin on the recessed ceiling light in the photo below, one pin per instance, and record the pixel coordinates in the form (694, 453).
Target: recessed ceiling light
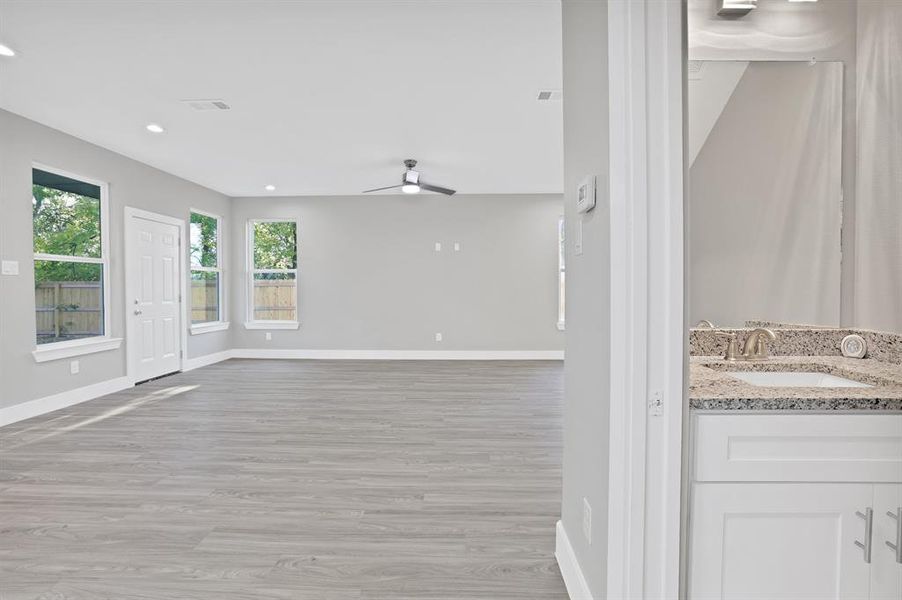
(270, 188)
(6, 51)
(154, 128)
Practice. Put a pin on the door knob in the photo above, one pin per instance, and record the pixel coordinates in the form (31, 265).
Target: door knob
(139, 311)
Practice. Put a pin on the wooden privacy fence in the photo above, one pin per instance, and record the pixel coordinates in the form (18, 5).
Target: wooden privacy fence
(275, 300)
(204, 301)
(66, 310)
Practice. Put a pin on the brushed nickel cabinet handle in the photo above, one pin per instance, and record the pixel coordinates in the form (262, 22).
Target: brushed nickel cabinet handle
(865, 546)
(897, 547)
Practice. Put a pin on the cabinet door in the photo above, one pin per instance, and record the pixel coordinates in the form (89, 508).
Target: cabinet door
(777, 540)
(886, 573)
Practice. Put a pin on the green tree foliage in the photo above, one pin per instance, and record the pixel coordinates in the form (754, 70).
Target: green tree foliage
(203, 240)
(275, 245)
(65, 224)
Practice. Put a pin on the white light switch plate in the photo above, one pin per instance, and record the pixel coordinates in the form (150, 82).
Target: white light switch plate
(438, 337)
(438, 246)
(10, 267)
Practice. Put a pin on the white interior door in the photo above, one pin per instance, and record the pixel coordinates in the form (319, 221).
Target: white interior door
(771, 541)
(153, 277)
(886, 568)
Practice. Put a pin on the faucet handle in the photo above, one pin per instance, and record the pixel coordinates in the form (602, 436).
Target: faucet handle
(732, 347)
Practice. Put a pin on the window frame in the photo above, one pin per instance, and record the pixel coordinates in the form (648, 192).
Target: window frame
(221, 324)
(561, 273)
(97, 343)
(250, 321)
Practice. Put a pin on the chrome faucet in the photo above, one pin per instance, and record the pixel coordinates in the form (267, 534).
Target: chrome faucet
(755, 347)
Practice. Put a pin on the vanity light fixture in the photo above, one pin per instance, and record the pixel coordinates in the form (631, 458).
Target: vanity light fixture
(154, 128)
(6, 51)
(736, 8)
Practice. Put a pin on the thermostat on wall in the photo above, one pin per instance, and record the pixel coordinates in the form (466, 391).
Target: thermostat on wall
(585, 195)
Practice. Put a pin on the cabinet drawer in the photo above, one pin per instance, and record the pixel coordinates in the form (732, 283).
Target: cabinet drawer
(798, 447)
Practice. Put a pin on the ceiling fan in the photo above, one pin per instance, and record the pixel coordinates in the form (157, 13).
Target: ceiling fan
(411, 184)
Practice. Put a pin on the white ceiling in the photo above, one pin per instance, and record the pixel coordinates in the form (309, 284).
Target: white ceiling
(326, 97)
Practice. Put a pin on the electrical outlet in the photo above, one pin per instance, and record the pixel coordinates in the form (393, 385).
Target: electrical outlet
(457, 246)
(74, 367)
(268, 336)
(438, 337)
(438, 246)
(587, 520)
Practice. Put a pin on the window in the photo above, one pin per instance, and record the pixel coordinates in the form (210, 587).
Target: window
(206, 273)
(273, 270)
(71, 259)
(561, 274)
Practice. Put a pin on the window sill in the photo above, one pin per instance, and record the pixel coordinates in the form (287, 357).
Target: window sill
(560, 326)
(59, 350)
(202, 328)
(272, 325)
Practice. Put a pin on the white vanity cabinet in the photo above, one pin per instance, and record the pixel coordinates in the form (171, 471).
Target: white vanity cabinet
(781, 506)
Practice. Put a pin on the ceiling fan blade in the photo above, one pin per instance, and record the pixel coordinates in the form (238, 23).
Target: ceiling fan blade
(391, 187)
(437, 188)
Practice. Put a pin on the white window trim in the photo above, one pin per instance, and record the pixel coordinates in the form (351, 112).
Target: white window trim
(220, 324)
(561, 270)
(209, 327)
(97, 343)
(250, 322)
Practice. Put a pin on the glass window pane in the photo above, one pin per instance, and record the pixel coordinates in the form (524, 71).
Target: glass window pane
(275, 245)
(204, 297)
(68, 300)
(275, 297)
(203, 241)
(65, 223)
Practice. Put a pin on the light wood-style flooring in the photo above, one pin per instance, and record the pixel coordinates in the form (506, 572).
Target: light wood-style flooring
(254, 479)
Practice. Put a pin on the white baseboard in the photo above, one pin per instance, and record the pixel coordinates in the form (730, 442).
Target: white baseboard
(206, 359)
(399, 354)
(577, 587)
(41, 406)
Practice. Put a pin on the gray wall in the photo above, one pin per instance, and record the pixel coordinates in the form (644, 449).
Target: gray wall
(370, 278)
(130, 184)
(878, 282)
(766, 204)
(587, 377)
(782, 30)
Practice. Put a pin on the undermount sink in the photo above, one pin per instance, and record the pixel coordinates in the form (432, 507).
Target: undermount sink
(796, 379)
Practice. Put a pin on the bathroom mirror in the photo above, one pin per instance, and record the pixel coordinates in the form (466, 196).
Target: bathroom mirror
(765, 192)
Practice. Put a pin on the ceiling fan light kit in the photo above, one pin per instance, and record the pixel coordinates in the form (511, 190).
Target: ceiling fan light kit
(411, 184)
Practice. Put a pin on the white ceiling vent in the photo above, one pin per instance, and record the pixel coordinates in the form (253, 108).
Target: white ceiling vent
(547, 95)
(206, 105)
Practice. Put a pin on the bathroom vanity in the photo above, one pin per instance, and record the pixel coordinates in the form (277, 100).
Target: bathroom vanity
(795, 481)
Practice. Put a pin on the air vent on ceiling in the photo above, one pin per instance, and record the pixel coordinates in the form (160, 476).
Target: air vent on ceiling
(206, 104)
(546, 95)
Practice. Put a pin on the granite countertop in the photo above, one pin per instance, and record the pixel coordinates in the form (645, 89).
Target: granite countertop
(712, 388)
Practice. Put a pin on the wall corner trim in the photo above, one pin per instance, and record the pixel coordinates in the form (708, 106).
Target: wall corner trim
(41, 406)
(577, 587)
